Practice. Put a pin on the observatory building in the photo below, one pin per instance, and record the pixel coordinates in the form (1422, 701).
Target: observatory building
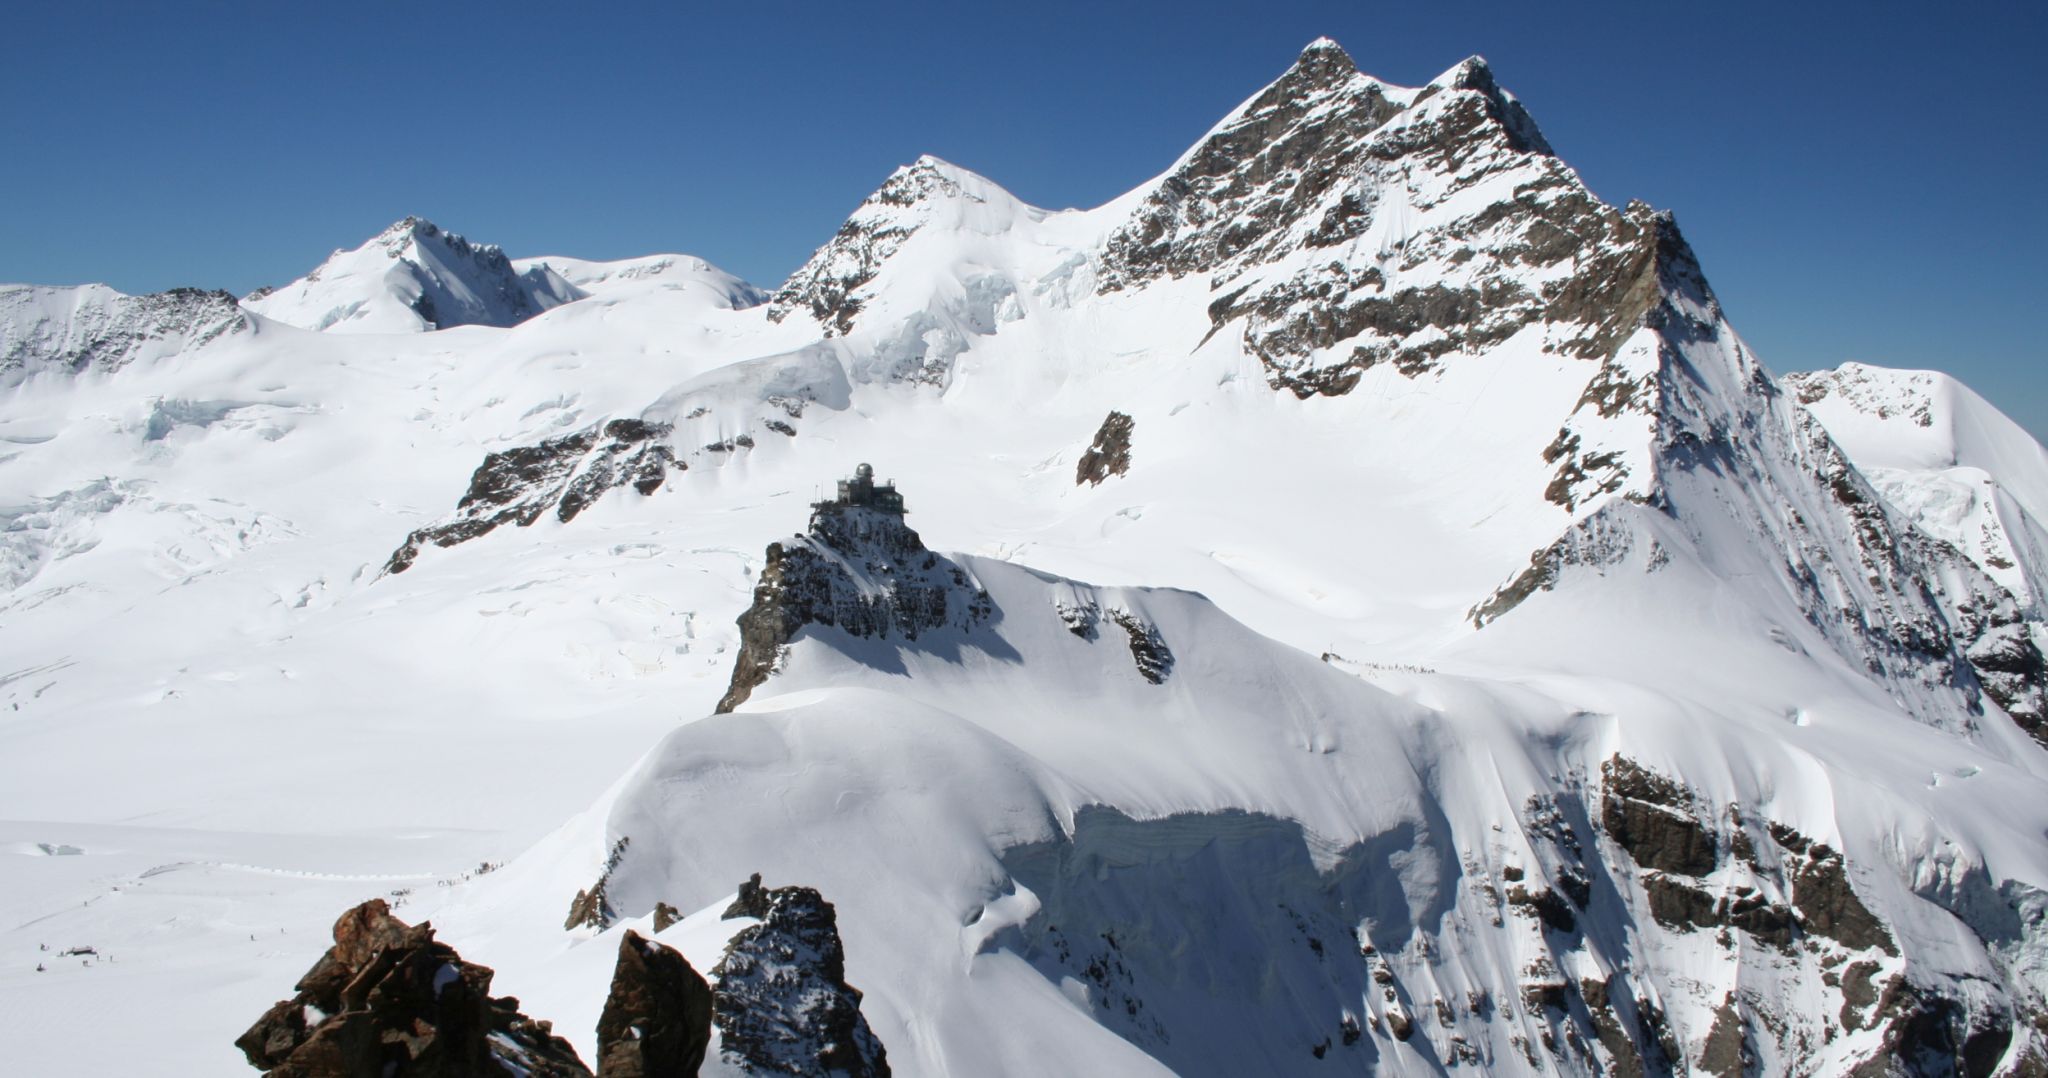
(863, 491)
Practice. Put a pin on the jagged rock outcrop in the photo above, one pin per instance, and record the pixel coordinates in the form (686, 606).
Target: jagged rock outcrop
(781, 1001)
(93, 327)
(1109, 454)
(657, 1019)
(566, 475)
(388, 999)
(859, 570)
(592, 908)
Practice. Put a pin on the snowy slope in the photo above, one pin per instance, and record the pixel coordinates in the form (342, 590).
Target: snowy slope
(92, 328)
(1962, 469)
(1646, 726)
(414, 276)
(679, 273)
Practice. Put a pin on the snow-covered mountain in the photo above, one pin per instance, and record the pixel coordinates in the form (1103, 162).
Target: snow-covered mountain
(69, 331)
(414, 276)
(1361, 607)
(1961, 469)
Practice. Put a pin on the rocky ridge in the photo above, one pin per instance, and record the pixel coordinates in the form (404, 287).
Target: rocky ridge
(860, 571)
(561, 475)
(94, 328)
(782, 1003)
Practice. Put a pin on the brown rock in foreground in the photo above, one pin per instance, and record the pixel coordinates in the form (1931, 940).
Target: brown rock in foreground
(657, 1020)
(388, 998)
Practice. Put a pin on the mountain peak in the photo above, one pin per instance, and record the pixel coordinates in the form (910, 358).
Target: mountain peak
(1475, 74)
(1322, 63)
(406, 230)
(1471, 73)
(412, 276)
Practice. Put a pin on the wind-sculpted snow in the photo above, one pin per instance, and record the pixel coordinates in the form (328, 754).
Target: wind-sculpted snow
(1276, 863)
(94, 328)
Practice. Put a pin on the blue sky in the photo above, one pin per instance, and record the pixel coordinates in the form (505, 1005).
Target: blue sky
(1862, 181)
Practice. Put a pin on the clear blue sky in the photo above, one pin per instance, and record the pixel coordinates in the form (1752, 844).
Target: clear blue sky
(1863, 181)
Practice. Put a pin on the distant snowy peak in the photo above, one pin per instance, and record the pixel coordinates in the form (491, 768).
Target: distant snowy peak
(929, 195)
(414, 276)
(686, 274)
(1944, 456)
(93, 327)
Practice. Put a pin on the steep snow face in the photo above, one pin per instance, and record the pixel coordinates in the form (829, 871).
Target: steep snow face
(94, 328)
(1961, 469)
(1749, 495)
(412, 277)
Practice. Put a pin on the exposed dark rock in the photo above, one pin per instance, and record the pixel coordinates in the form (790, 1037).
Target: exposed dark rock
(1399, 1024)
(1858, 994)
(566, 474)
(1762, 919)
(1726, 1053)
(1679, 905)
(1651, 817)
(665, 915)
(592, 908)
(387, 999)
(1828, 906)
(1148, 649)
(1546, 995)
(1626, 1060)
(657, 1019)
(752, 901)
(1929, 1035)
(1109, 454)
(860, 570)
(782, 1003)
(1546, 904)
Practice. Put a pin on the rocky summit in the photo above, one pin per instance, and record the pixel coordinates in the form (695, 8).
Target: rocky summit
(1352, 604)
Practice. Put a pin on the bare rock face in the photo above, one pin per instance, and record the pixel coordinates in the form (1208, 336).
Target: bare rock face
(1651, 817)
(657, 1019)
(593, 908)
(782, 1003)
(1109, 454)
(861, 570)
(566, 474)
(388, 999)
